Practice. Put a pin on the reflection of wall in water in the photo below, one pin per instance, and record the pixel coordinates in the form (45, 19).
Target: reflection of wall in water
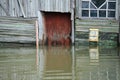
(108, 67)
(17, 64)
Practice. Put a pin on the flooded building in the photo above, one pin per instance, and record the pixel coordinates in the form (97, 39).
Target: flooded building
(56, 19)
(52, 22)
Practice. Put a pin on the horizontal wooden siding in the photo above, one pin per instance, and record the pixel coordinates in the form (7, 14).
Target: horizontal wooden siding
(17, 30)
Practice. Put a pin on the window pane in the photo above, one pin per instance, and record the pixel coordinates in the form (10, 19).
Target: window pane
(111, 5)
(92, 6)
(102, 13)
(98, 3)
(111, 13)
(93, 13)
(112, 0)
(85, 13)
(85, 4)
(103, 7)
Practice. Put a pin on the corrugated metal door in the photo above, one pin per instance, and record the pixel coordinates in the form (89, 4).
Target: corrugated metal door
(58, 28)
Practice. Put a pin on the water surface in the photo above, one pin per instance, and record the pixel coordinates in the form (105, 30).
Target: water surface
(60, 63)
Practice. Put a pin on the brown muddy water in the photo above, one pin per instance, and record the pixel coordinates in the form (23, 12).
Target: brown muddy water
(60, 63)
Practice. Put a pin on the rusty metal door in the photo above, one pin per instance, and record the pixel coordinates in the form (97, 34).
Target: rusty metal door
(58, 28)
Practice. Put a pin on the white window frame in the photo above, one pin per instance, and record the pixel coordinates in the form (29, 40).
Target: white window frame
(98, 9)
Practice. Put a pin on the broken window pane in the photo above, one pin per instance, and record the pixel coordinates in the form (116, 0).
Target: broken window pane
(85, 13)
(85, 4)
(111, 5)
(93, 13)
(111, 13)
(102, 13)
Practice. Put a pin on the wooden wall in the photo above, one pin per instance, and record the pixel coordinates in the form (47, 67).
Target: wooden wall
(78, 8)
(55, 5)
(16, 8)
(29, 8)
(4, 8)
(17, 30)
(32, 8)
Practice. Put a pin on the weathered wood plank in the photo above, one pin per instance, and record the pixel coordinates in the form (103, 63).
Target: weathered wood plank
(16, 33)
(21, 7)
(55, 5)
(5, 10)
(16, 30)
(19, 39)
(102, 25)
(11, 27)
(97, 22)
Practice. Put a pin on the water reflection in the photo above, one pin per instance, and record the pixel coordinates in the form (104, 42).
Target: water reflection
(60, 63)
(17, 64)
(55, 63)
(94, 55)
(36, 64)
(96, 63)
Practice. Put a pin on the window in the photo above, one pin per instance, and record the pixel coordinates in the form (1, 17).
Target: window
(99, 8)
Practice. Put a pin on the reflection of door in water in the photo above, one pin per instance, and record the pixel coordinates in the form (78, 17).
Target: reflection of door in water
(58, 28)
(58, 63)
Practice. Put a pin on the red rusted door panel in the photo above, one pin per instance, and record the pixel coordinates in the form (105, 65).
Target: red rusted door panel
(58, 28)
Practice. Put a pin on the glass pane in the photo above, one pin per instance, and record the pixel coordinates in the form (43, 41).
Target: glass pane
(103, 7)
(112, 0)
(92, 6)
(85, 4)
(93, 13)
(85, 13)
(102, 13)
(111, 5)
(111, 13)
(98, 3)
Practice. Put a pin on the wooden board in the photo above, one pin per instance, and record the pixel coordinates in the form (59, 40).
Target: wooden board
(17, 30)
(94, 35)
(58, 28)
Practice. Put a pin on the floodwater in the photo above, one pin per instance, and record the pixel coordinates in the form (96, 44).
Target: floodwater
(60, 63)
